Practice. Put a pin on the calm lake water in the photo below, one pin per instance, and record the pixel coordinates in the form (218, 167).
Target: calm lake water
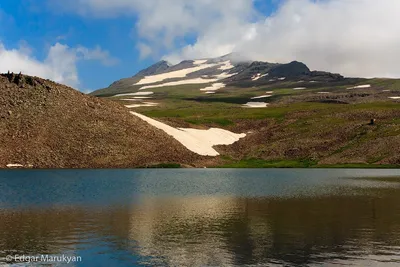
(201, 217)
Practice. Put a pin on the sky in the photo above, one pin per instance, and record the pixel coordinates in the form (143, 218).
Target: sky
(88, 44)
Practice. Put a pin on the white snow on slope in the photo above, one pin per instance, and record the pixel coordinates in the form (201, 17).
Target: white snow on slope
(360, 86)
(299, 88)
(173, 74)
(218, 77)
(269, 92)
(261, 96)
(394, 97)
(136, 98)
(258, 76)
(199, 61)
(213, 87)
(197, 141)
(14, 165)
(255, 105)
(224, 75)
(227, 65)
(210, 92)
(199, 65)
(144, 104)
(189, 81)
(133, 94)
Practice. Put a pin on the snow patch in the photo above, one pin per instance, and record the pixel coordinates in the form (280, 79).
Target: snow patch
(360, 86)
(136, 98)
(199, 62)
(394, 97)
(189, 81)
(262, 96)
(227, 65)
(144, 104)
(282, 78)
(224, 75)
(201, 80)
(198, 141)
(14, 165)
(173, 74)
(256, 77)
(210, 92)
(213, 87)
(133, 94)
(255, 105)
(269, 92)
(299, 88)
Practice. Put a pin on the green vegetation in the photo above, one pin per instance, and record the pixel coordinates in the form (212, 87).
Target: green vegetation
(358, 166)
(259, 163)
(380, 179)
(296, 130)
(163, 166)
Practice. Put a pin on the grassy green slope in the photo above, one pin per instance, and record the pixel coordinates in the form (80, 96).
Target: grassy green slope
(298, 129)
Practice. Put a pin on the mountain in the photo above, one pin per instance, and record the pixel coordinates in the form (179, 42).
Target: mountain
(48, 125)
(270, 114)
(157, 68)
(219, 112)
(228, 69)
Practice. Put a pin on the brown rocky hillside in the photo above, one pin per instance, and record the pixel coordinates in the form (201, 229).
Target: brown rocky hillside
(48, 125)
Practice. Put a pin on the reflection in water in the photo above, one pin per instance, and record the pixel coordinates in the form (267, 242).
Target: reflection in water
(209, 218)
(198, 231)
(252, 231)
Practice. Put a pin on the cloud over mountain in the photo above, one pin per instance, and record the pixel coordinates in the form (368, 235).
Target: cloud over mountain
(356, 37)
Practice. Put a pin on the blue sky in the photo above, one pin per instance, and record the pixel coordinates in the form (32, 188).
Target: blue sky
(40, 26)
(88, 44)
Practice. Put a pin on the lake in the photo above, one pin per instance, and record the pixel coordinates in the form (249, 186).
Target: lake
(200, 217)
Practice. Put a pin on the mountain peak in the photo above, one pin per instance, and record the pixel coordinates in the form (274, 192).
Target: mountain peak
(156, 68)
(234, 57)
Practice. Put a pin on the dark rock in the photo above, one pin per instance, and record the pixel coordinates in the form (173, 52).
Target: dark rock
(157, 68)
(290, 70)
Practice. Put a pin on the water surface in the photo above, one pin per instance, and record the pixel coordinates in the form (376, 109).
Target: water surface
(203, 217)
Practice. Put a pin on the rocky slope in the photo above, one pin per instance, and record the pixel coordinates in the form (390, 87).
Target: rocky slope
(47, 125)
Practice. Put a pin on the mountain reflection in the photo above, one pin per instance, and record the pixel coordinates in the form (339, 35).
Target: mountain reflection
(213, 230)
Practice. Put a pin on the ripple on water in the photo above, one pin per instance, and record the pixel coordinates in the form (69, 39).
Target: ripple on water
(195, 218)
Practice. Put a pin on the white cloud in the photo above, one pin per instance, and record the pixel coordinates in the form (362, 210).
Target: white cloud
(164, 23)
(97, 54)
(59, 65)
(144, 50)
(353, 37)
